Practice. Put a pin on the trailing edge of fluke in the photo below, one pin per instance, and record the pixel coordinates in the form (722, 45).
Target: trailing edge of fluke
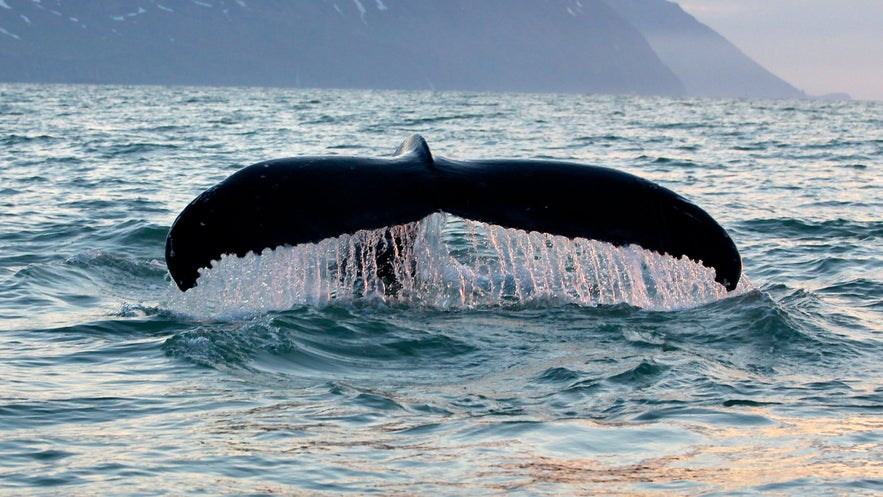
(307, 199)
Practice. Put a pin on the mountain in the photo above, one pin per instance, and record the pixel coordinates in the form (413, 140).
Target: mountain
(580, 46)
(705, 62)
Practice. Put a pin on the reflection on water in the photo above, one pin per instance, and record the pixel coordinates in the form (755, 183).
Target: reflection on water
(748, 449)
(728, 459)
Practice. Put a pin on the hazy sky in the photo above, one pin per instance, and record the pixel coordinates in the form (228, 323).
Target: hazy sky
(819, 46)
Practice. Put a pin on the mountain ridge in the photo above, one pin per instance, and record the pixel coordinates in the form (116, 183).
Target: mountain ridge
(574, 46)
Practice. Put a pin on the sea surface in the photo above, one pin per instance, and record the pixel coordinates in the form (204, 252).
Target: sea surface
(501, 372)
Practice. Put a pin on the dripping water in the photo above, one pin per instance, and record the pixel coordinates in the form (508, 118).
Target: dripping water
(447, 262)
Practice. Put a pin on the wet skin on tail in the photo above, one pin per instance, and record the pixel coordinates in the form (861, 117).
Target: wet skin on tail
(308, 199)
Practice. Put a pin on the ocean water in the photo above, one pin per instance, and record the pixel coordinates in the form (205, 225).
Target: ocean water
(499, 372)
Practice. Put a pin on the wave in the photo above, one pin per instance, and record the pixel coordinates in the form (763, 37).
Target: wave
(803, 229)
(607, 362)
(47, 288)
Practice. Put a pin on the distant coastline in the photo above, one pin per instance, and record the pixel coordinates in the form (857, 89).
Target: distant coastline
(833, 96)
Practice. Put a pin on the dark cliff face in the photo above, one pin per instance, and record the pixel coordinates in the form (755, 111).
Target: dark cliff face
(582, 46)
(506, 45)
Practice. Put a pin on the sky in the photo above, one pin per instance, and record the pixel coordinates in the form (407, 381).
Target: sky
(819, 46)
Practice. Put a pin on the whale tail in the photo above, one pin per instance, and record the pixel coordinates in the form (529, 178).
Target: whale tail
(307, 199)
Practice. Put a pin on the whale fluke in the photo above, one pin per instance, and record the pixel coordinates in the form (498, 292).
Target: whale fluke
(308, 199)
